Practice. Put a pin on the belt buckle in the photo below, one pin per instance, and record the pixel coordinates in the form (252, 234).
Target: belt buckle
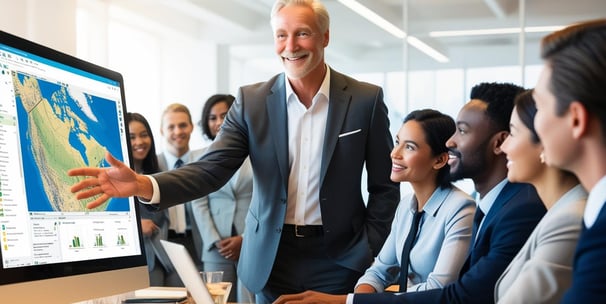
(297, 232)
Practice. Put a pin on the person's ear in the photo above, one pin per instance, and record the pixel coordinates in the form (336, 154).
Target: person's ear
(441, 161)
(579, 119)
(498, 140)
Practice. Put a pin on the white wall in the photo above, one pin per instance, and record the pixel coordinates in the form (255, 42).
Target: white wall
(51, 23)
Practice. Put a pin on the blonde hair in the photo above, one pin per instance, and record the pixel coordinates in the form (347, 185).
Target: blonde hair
(176, 108)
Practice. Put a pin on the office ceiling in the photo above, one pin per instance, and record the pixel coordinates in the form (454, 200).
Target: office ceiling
(359, 46)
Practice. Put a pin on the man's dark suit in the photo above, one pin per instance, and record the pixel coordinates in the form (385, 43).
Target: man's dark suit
(357, 133)
(589, 268)
(511, 219)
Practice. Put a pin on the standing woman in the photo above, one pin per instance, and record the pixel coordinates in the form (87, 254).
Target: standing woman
(220, 215)
(154, 225)
(440, 246)
(542, 271)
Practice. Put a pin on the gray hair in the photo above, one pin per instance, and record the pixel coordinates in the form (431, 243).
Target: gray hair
(322, 17)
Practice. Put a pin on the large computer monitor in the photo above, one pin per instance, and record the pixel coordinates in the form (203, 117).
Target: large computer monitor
(58, 112)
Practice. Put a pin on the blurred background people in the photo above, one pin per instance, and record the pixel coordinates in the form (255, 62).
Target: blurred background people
(176, 128)
(431, 231)
(154, 225)
(220, 215)
(542, 270)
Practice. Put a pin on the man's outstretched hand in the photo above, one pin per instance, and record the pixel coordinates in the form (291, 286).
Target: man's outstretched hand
(116, 181)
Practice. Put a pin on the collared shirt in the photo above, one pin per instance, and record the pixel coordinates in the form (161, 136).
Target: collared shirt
(486, 202)
(306, 128)
(440, 247)
(595, 202)
(177, 214)
(172, 159)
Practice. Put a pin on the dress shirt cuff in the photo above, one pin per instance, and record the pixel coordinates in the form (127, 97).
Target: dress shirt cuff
(155, 199)
(350, 298)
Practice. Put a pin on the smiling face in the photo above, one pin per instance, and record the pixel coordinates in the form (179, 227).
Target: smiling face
(177, 129)
(523, 155)
(469, 147)
(412, 159)
(216, 117)
(298, 41)
(140, 140)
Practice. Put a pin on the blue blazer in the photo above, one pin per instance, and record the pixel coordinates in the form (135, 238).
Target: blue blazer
(589, 268)
(513, 216)
(357, 135)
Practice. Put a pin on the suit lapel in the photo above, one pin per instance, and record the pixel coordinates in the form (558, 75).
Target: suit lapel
(338, 104)
(277, 117)
(506, 194)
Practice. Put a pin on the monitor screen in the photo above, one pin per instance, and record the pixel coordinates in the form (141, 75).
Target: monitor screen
(56, 113)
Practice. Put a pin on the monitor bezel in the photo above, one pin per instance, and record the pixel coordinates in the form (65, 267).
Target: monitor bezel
(58, 270)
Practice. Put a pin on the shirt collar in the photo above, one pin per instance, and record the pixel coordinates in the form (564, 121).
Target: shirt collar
(172, 159)
(434, 202)
(486, 202)
(324, 88)
(595, 202)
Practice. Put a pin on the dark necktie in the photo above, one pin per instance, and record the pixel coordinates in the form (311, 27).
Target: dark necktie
(410, 239)
(179, 214)
(477, 219)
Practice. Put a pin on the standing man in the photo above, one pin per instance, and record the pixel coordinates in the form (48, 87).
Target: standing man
(309, 133)
(571, 122)
(506, 213)
(176, 128)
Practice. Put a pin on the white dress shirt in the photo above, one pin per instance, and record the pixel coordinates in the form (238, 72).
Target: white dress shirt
(486, 202)
(306, 128)
(595, 202)
(177, 214)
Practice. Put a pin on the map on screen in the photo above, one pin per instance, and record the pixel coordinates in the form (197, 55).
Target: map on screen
(65, 127)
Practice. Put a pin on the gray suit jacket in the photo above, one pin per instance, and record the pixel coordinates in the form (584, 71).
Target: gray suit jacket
(542, 270)
(217, 212)
(357, 135)
(194, 156)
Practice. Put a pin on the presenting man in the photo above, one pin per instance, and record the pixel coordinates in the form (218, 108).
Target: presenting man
(309, 133)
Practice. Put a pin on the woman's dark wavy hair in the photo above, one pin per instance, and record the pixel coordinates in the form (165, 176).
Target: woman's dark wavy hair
(438, 128)
(208, 105)
(150, 162)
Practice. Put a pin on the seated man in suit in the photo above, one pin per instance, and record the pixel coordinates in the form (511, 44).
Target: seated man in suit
(571, 122)
(511, 210)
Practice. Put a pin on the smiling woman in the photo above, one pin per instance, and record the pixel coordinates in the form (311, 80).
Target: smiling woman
(542, 270)
(154, 225)
(426, 255)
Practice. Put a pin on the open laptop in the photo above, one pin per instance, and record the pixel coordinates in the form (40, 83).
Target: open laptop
(188, 272)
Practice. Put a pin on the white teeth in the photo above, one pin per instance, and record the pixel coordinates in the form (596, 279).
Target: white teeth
(450, 156)
(397, 166)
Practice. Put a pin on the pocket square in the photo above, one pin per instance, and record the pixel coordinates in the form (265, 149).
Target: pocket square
(349, 133)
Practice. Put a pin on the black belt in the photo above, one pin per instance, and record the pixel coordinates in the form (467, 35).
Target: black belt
(303, 231)
(172, 234)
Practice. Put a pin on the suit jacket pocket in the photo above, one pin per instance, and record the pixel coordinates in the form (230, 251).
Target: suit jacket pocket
(251, 222)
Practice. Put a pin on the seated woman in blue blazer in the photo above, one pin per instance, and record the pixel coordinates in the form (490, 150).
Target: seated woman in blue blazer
(441, 245)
